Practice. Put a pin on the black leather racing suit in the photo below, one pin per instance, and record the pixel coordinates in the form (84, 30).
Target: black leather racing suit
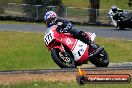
(66, 26)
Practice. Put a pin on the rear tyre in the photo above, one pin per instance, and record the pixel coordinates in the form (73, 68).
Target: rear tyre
(121, 26)
(101, 60)
(63, 60)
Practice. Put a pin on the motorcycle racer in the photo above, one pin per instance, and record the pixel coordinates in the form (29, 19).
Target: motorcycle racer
(114, 10)
(65, 26)
(112, 14)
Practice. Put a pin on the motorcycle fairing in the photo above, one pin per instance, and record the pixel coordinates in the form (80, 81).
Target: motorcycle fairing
(77, 47)
(80, 51)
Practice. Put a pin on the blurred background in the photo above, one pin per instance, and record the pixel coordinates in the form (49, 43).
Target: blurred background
(79, 11)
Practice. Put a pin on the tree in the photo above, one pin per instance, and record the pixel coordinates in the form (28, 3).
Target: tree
(60, 7)
(93, 11)
(130, 3)
(1, 8)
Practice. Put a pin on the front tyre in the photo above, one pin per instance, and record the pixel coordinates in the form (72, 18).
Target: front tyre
(62, 59)
(101, 60)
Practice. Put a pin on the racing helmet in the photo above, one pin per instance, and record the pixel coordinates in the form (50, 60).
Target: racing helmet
(50, 17)
(114, 8)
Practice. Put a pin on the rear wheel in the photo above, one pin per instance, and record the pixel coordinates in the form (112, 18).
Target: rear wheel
(101, 60)
(62, 59)
(121, 26)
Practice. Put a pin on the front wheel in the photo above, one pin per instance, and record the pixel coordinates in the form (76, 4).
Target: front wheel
(101, 60)
(62, 59)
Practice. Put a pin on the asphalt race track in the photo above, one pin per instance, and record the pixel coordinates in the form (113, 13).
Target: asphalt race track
(114, 66)
(107, 32)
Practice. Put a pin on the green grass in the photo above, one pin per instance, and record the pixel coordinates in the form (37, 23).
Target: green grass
(76, 3)
(77, 12)
(11, 1)
(104, 4)
(42, 84)
(119, 50)
(23, 51)
(20, 50)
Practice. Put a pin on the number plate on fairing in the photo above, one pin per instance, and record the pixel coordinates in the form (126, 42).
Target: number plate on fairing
(48, 37)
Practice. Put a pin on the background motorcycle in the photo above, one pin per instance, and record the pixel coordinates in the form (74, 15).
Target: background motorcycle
(68, 52)
(121, 19)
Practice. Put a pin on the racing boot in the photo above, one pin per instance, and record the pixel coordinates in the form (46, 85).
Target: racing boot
(83, 37)
(86, 40)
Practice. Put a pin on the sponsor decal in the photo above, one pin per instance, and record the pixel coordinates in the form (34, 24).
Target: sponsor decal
(68, 41)
(83, 78)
